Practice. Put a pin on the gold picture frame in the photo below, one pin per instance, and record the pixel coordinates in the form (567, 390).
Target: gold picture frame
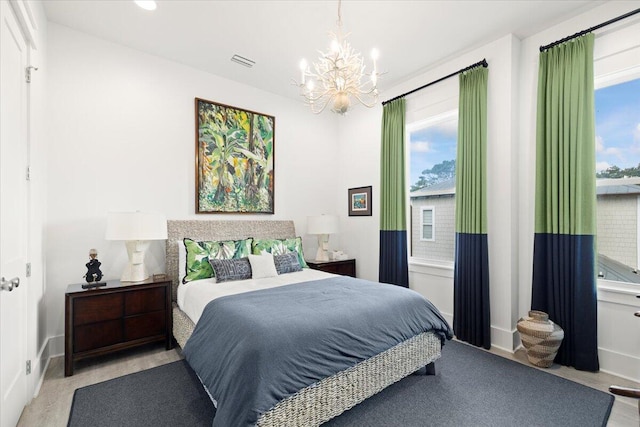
(235, 159)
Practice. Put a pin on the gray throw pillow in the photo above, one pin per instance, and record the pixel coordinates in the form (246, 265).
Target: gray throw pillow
(227, 270)
(287, 263)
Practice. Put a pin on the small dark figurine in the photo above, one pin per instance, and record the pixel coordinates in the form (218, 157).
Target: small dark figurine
(93, 268)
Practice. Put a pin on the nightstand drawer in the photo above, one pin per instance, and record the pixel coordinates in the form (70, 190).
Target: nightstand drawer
(343, 269)
(96, 335)
(115, 316)
(346, 267)
(97, 308)
(144, 325)
(144, 301)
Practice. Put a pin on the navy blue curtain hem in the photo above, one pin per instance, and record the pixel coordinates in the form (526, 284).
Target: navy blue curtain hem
(564, 286)
(471, 313)
(394, 267)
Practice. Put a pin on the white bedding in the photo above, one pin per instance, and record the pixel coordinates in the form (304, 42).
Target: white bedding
(194, 296)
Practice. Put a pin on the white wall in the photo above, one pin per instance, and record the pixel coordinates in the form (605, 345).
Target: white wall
(501, 184)
(36, 22)
(358, 165)
(618, 344)
(121, 134)
(121, 137)
(513, 66)
(528, 90)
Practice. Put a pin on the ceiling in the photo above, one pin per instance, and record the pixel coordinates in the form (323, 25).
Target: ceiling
(410, 35)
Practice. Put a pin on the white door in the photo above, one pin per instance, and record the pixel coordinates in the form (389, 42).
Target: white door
(13, 217)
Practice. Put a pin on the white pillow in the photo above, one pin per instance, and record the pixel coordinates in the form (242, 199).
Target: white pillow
(262, 266)
(182, 261)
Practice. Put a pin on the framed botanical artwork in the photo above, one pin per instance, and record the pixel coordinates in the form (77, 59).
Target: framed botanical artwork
(360, 201)
(234, 159)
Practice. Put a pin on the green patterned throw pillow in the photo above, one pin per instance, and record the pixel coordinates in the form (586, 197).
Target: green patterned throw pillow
(199, 254)
(279, 247)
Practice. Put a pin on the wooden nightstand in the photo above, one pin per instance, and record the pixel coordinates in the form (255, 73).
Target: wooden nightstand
(114, 317)
(345, 267)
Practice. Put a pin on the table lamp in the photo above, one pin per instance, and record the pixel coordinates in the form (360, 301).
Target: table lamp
(322, 225)
(136, 229)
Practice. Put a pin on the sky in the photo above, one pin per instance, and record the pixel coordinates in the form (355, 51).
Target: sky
(618, 125)
(432, 145)
(617, 133)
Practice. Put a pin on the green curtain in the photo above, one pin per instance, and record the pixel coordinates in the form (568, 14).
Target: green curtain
(471, 315)
(393, 229)
(471, 182)
(564, 280)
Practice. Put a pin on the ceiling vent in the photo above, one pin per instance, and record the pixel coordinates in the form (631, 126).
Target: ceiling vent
(243, 61)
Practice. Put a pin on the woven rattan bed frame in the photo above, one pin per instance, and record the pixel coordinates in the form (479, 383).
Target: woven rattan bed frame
(331, 396)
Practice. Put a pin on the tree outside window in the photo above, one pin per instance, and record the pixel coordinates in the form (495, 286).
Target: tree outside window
(617, 148)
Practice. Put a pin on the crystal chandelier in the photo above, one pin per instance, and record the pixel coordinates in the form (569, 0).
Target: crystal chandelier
(338, 76)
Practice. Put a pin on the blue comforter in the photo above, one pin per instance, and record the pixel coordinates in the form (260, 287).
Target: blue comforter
(254, 349)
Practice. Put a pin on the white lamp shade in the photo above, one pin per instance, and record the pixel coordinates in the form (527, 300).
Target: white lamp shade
(136, 226)
(322, 224)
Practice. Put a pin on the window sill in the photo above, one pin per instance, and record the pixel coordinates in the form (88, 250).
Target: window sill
(431, 267)
(432, 263)
(618, 287)
(618, 292)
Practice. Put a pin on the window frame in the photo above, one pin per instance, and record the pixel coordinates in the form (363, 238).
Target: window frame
(609, 70)
(441, 111)
(433, 223)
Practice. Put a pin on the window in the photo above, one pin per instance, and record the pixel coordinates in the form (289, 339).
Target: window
(618, 181)
(427, 224)
(432, 166)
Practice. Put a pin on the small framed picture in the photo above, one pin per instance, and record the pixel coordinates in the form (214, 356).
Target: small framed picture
(360, 201)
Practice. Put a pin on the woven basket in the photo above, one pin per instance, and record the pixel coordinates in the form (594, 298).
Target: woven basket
(541, 337)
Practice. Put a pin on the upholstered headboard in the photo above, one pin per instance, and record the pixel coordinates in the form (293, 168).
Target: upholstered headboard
(218, 230)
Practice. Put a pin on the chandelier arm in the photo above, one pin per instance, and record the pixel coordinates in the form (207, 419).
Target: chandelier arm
(314, 108)
(367, 91)
(366, 104)
(311, 98)
(338, 76)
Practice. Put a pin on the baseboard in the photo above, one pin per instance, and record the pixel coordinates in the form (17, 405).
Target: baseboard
(504, 339)
(38, 368)
(41, 374)
(56, 346)
(52, 347)
(615, 363)
(619, 364)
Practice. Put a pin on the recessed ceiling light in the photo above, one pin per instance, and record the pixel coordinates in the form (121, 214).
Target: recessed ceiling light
(146, 4)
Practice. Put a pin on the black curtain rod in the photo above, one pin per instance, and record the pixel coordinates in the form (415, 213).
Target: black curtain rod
(477, 64)
(588, 30)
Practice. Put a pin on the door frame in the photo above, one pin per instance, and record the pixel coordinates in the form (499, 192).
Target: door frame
(27, 26)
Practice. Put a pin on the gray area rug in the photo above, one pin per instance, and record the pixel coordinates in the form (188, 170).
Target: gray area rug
(168, 395)
(471, 388)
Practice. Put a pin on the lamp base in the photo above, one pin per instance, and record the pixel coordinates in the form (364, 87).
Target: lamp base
(135, 271)
(323, 243)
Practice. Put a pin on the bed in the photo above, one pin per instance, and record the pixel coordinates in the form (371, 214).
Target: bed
(326, 397)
